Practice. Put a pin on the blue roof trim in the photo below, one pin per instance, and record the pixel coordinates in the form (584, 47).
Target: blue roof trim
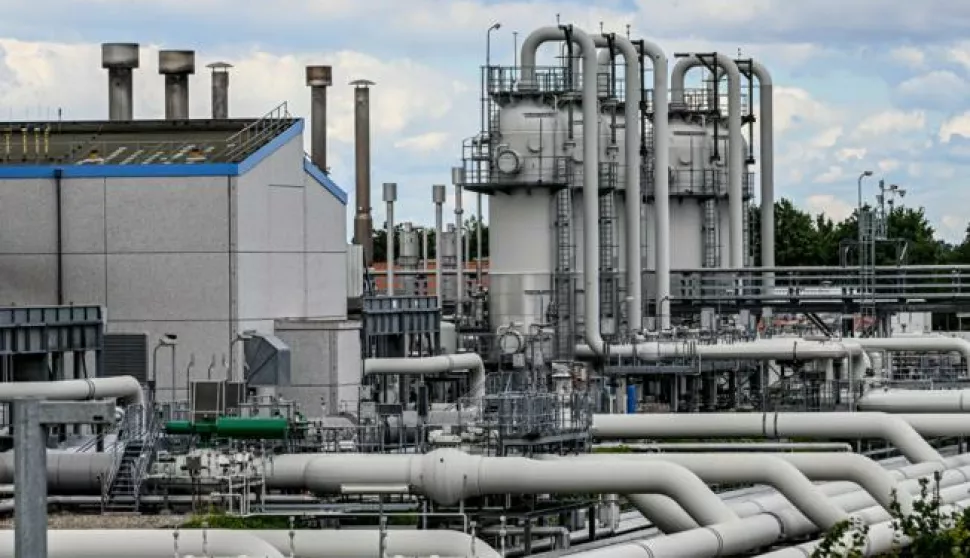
(271, 147)
(325, 181)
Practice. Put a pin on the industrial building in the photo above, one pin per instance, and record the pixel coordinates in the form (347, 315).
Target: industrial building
(542, 404)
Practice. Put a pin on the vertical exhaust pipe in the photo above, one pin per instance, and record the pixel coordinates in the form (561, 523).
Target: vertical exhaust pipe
(363, 225)
(176, 66)
(458, 179)
(390, 196)
(318, 79)
(120, 59)
(438, 194)
(220, 89)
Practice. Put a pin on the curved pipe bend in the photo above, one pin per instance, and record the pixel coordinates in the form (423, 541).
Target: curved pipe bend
(124, 388)
(591, 248)
(768, 469)
(735, 147)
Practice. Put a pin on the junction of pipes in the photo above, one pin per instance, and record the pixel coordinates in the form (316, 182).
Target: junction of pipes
(615, 383)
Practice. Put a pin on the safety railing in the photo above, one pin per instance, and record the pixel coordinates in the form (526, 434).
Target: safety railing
(892, 284)
(255, 135)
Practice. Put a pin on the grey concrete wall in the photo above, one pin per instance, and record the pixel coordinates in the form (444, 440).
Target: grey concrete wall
(325, 364)
(292, 247)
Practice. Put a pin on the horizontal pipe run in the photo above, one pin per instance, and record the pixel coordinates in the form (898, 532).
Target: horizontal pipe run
(432, 365)
(844, 426)
(124, 388)
(447, 476)
(763, 349)
(916, 401)
(747, 447)
(343, 543)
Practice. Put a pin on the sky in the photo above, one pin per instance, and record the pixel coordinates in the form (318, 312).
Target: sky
(881, 85)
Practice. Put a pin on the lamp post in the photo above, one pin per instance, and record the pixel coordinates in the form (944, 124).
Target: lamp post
(241, 336)
(478, 198)
(167, 340)
(865, 174)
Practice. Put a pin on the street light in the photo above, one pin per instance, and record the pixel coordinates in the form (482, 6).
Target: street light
(167, 340)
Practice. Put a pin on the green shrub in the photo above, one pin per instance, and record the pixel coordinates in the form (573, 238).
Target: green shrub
(930, 531)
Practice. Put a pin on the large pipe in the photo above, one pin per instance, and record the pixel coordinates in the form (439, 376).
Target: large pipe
(147, 543)
(458, 179)
(220, 89)
(661, 180)
(631, 139)
(67, 473)
(591, 248)
(318, 79)
(735, 148)
(844, 426)
(762, 349)
(764, 468)
(363, 222)
(124, 388)
(448, 476)
(432, 365)
(743, 469)
(767, 132)
(916, 401)
(176, 66)
(918, 343)
(120, 59)
(343, 543)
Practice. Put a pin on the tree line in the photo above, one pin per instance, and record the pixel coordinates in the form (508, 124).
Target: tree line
(800, 239)
(805, 240)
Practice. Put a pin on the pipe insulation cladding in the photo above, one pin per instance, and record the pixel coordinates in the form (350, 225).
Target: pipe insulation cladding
(735, 149)
(448, 476)
(837, 426)
(591, 115)
(631, 135)
(124, 388)
(224, 543)
(471, 362)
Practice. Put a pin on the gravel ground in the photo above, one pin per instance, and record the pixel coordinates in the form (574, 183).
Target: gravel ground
(119, 521)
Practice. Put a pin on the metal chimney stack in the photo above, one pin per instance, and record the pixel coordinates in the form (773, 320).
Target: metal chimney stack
(220, 89)
(120, 59)
(363, 223)
(176, 66)
(318, 79)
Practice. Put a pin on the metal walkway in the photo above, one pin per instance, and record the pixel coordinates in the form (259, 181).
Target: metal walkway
(819, 289)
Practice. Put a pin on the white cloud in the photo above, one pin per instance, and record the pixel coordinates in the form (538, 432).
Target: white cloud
(851, 153)
(827, 138)
(830, 206)
(834, 173)
(909, 56)
(890, 122)
(939, 89)
(957, 126)
(888, 165)
(954, 226)
(424, 143)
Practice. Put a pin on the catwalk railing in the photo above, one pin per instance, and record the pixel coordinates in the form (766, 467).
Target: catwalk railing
(944, 287)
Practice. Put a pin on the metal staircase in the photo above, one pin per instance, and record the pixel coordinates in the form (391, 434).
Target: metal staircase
(564, 287)
(867, 272)
(710, 230)
(135, 450)
(608, 249)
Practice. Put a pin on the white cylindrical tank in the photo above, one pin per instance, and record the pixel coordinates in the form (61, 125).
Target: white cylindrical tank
(723, 179)
(528, 147)
(530, 156)
(691, 147)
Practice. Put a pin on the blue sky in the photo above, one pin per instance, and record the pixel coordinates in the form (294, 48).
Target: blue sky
(860, 84)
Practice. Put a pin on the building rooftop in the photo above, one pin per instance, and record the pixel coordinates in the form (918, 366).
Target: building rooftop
(105, 148)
